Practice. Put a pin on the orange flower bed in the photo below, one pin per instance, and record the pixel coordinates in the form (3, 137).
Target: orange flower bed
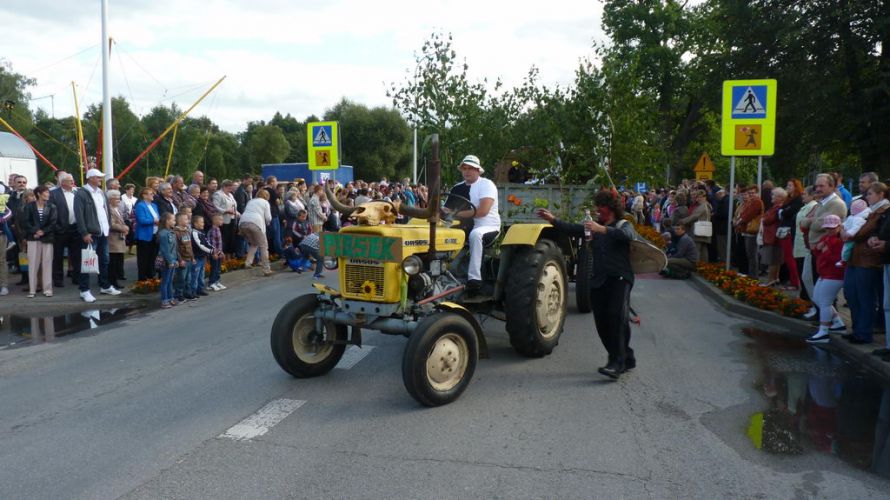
(147, 286)
(748, 290)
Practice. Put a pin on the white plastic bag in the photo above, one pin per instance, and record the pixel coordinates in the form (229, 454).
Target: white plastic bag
(89, 260)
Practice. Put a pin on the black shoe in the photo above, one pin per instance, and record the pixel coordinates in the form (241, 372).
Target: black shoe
(202, 293)
(630, 364)
(857, 340)
(612, 370)
(58, 284)
(881, 352)
(847, 336)
(474, 285)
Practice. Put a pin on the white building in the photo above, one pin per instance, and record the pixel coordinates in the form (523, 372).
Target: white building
(17, 157)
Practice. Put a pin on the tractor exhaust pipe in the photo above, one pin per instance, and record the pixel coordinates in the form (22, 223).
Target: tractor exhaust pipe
(435, 194)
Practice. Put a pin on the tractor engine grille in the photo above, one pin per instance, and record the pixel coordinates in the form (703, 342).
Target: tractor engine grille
(359, 276)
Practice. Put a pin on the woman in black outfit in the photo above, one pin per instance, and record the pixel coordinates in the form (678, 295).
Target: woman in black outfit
(611, 278)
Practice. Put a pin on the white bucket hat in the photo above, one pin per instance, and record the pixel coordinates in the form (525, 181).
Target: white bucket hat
(473, 161)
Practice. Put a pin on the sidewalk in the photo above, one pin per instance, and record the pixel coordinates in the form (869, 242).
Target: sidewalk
(799, 328)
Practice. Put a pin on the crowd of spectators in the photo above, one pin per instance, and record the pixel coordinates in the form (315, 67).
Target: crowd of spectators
(175, 226)
(814, 241)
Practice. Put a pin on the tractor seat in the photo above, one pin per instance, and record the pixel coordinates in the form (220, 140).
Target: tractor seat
(489, 239)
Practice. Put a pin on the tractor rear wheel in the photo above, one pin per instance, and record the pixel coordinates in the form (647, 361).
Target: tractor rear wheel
(535, 301)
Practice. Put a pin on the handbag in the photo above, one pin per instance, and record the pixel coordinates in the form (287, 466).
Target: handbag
(703, 228)
(89, 260)
(753, 225)
(645, 257)
(783, 232)
(160, 263)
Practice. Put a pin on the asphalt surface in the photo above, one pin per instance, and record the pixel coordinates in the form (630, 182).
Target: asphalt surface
(139, 409)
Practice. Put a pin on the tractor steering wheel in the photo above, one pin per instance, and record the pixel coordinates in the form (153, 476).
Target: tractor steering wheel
(460, 206)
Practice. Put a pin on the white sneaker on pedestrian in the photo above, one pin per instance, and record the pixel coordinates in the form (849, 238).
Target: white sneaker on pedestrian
(837, 325)
(216, 287)
(810, 314)
(10, 246)
(110, 291)
(4, 291)
(820, 337)
(87, 296)
(221, 286)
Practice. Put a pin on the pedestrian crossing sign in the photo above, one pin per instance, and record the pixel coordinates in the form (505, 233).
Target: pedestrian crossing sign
(324, 145)
(749, 118)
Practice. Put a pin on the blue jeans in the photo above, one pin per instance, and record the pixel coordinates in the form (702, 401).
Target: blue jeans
(197, 284)
(241, 246)
(274, 236)
(182, 283)
(860, 289)
(215, 270)
(100, 244)
(167, 284)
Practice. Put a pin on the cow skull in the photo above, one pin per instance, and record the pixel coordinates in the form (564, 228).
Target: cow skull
(373, 213)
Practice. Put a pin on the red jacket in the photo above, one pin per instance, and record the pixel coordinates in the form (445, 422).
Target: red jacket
(828, 253)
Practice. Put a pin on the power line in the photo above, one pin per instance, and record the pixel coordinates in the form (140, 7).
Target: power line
(62, 60)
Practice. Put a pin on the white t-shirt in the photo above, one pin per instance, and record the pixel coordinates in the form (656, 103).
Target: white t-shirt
(479, 190)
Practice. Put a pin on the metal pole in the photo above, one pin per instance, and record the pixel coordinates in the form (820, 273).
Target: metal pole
(107, 150)
(414, 175)
(729, 217)
(760, 176)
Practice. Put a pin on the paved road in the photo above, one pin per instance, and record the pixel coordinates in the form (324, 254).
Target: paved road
(139, 410)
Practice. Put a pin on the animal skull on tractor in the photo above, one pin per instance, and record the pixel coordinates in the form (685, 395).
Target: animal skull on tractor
(373, 213)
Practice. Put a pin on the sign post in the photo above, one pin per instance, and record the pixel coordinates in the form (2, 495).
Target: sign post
(323, 139)
(748, 129)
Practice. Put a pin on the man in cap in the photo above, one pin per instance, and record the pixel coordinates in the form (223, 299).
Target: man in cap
(93, 217)
(483, 194)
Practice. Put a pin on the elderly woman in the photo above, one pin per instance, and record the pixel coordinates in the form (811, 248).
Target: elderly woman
(147, 218)
(701, 212)
(864, 272)
(787, 230)
(257, 215)
(117, 238)
(38, 226)
(317, 216)
(771, 253)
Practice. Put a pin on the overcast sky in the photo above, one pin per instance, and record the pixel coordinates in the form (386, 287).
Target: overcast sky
(293, 56)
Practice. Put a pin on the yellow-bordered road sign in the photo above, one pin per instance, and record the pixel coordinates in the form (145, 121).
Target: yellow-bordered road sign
(749, 118)
(324, 145)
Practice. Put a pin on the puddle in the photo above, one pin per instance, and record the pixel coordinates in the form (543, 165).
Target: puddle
(23, 331)
(815, 401)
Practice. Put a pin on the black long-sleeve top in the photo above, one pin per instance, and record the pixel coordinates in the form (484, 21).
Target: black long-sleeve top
(611, 251)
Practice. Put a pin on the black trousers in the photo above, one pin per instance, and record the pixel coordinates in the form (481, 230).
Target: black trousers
(146, 251)
(115, 268)
(611, 313)
(71, 240)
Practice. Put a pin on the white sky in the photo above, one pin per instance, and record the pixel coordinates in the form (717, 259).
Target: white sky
(294, 56)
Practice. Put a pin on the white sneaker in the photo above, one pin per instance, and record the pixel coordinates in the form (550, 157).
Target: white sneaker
(221, 286)
(810, 314)
(819, 337)
(110, 291)
(837, 325)
(87, 296)
(4, 291)
(215, 287)
(10, 246)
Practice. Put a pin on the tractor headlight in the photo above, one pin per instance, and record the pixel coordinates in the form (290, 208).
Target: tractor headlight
(412, 265)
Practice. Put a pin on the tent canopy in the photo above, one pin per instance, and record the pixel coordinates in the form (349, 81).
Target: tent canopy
(13, 147)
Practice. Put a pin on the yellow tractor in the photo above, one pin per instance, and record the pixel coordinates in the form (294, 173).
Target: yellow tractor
(409, 279)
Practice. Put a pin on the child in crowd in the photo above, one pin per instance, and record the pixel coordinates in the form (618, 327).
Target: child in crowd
(182, 282)
(202, 249)
(214, 237)
(831, 279)
(293, 257)
(859, 213)
(168, 259)
(309, 247)
(301, 227)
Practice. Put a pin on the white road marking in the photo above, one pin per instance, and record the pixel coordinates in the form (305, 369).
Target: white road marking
(353, 355)
(260, 422)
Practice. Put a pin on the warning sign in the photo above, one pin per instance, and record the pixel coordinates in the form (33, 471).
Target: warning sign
(704, 164)
(323, 144)
(748, 137)
(323, 158)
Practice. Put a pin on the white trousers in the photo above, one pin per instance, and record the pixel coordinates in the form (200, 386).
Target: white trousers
(475, 270)
(823, 296)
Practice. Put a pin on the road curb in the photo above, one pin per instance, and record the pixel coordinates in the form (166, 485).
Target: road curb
(793, 327)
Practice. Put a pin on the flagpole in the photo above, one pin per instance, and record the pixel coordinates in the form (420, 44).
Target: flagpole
(107, 150)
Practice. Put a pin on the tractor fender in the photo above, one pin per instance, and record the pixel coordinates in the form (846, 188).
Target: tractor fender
(530, 234)
(467, 315)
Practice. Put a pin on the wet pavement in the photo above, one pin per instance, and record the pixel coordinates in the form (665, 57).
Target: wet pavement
(813, 400)
(18, 331)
